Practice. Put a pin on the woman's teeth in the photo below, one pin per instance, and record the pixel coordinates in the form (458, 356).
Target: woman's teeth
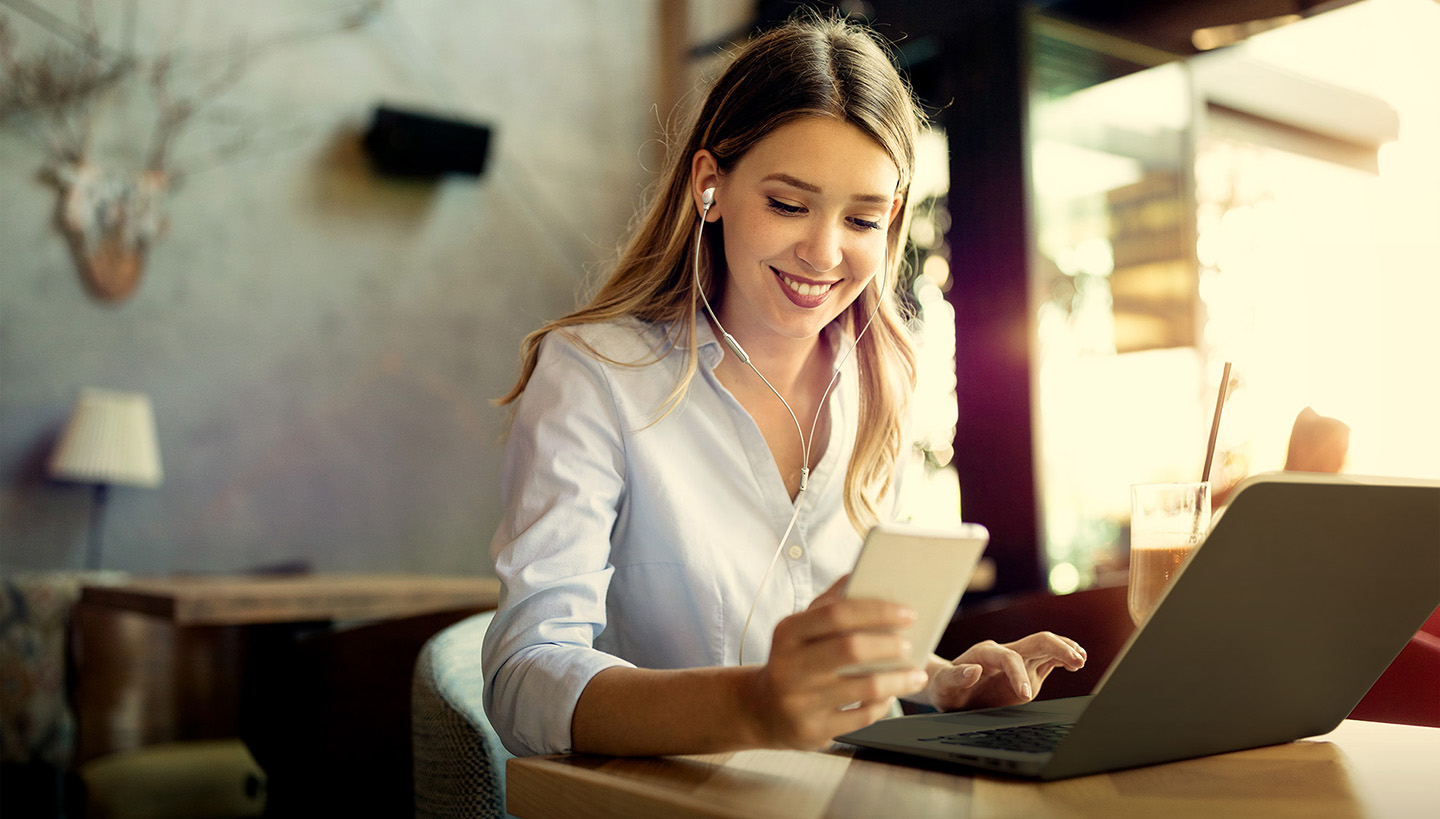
(806, 289)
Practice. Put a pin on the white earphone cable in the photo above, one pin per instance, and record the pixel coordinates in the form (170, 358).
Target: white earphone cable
(805, 441)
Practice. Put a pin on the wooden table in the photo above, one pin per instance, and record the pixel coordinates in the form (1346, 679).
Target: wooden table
(311, 670)
(236, 600)
(1362, 769)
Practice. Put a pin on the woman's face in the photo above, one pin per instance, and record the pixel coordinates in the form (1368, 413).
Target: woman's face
(805, 215)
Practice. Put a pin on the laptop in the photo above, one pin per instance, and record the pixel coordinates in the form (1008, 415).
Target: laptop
(1307, 587)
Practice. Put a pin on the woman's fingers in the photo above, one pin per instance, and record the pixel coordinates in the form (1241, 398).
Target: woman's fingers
(853, 718)
(1013, 666)
(830, 595)
(1001, 660)
(950, 685)
(843, 616)
(1010, 673)
(843, 691)
(1044, 645)
(809, 713)
(859, 648)
(844, 632)
(810, 700)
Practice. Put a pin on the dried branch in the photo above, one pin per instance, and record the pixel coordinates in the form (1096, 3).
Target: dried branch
(54, 95)
(174, 112)
(57, 90)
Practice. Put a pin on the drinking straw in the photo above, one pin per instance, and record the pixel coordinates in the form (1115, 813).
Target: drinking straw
(1210, 450)
(1215, 423)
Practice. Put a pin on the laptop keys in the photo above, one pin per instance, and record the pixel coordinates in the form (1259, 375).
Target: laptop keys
(1025, 738)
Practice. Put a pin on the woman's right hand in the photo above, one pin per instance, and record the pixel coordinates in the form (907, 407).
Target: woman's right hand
(804, 702)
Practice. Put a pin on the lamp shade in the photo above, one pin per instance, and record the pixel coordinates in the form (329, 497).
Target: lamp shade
(109, 439)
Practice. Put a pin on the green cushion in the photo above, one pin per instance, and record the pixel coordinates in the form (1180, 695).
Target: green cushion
(199, 779)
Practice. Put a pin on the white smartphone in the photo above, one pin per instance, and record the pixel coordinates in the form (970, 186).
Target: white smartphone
(925, 569)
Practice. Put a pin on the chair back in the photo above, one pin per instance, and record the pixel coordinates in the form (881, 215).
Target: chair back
(459, 761)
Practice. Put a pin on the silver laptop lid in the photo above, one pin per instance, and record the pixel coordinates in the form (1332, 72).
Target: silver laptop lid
(1306, 589)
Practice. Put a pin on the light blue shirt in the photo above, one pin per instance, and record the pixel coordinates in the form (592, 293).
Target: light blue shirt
(636, 542)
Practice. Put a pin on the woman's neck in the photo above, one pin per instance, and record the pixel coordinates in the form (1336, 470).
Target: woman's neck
(790, 365)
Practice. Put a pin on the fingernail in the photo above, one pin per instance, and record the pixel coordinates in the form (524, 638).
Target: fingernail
(906, 613)
(905, 647)
(1025, 690)
(918, 678)
(970, 672)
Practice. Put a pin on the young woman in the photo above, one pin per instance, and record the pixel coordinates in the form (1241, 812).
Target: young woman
(695, 454)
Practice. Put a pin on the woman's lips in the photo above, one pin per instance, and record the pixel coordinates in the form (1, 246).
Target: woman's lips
(803, 293)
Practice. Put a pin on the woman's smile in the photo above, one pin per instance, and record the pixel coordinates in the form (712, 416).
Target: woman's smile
(805, 293)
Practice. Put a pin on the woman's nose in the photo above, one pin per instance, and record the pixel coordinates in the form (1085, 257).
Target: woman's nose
(819, 248)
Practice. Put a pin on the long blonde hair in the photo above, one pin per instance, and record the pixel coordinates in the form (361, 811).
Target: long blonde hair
(808, 67)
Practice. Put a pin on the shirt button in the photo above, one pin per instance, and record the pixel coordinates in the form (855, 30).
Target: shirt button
(796, 552)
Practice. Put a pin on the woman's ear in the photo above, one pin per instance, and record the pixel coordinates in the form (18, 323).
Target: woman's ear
(705, 176)
(897, 206)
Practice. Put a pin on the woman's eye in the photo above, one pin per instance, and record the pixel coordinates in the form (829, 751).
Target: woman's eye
(780, 207)
(865, 224)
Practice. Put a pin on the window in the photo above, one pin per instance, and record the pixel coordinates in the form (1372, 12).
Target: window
(1192, 214)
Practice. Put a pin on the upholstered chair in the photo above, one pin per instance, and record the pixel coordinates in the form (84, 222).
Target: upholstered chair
(459, 761)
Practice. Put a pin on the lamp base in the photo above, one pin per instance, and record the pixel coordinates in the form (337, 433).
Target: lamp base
(98, 498)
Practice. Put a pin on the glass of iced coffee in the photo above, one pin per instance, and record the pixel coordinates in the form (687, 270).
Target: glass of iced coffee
(1168, 521)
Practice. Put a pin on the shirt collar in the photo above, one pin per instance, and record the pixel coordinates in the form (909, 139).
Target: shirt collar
(711, 351)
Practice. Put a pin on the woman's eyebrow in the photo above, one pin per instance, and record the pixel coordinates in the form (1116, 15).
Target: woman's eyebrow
(796, 182)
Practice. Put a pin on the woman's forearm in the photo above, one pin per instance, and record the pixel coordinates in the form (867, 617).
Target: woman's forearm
(627, 711)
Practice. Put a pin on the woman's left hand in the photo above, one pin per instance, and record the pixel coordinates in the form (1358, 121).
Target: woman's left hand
(991, 674)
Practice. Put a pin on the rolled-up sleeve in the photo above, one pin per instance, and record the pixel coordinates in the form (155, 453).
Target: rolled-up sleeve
(563, 484)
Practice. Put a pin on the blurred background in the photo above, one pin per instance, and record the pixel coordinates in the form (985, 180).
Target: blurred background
(1115, 200)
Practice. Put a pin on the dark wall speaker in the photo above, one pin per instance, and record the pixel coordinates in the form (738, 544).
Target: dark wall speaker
(415, 144)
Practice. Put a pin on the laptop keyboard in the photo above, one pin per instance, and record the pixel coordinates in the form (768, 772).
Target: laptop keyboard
(1027, 738)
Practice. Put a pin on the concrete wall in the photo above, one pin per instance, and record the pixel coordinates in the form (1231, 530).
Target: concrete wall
(322, 344)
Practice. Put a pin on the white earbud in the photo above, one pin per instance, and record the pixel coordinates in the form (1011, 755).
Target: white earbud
(707, 197)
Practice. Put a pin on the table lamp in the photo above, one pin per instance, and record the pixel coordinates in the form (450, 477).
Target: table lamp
(109, 439)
